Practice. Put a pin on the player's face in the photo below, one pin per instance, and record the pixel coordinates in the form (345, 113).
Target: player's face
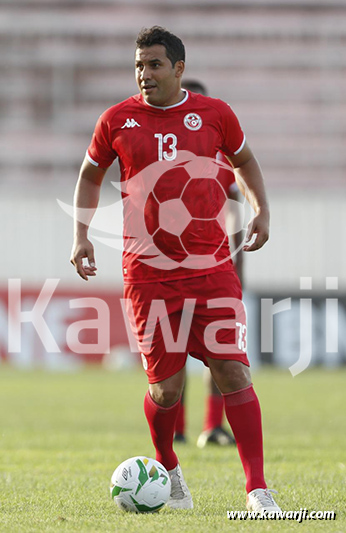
(158, 81)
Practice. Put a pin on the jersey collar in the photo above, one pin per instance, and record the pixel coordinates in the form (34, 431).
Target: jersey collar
(169, 106)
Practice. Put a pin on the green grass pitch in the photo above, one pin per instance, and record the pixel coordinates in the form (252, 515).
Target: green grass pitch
(61, 437)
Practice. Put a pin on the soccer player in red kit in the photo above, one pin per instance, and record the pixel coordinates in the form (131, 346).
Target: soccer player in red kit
(167, 128)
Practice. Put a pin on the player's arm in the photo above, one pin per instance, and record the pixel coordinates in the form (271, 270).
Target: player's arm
(249, 179)
(86, 199)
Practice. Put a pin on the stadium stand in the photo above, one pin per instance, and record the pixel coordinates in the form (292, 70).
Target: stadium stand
(279, 64)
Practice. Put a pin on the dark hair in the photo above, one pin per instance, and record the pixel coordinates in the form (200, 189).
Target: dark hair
(175, 49)
(194, 86)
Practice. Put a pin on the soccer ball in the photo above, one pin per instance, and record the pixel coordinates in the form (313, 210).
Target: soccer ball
(185, 215)
(140, 485)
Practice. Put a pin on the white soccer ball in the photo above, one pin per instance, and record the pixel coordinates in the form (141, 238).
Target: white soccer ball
(140, 485)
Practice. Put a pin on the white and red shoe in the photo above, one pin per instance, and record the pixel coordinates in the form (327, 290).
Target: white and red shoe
(261, 500)
(180, 497)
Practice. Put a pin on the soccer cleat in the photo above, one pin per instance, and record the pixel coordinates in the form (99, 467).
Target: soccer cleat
(216, 435)
(261, 500)
(180, 497)
(180, 437)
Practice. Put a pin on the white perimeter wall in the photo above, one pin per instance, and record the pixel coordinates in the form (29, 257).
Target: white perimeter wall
(308, 235)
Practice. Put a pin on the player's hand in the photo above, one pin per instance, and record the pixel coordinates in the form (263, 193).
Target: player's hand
(83, 249)
(258, 228)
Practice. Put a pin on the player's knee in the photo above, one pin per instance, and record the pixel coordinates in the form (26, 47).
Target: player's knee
(230, 376)
(164, 395)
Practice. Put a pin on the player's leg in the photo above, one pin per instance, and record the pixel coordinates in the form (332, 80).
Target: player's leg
(213, 432)
(224, 349)
(165, 372)
(161, 406)
(244, 415)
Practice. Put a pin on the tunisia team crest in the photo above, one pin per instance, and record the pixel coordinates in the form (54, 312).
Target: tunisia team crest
(193, 121)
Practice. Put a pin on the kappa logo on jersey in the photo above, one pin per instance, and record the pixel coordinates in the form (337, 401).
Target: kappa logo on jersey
(130, 123)
(192, 121)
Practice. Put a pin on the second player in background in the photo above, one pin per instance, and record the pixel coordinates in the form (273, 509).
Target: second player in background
(213, 431)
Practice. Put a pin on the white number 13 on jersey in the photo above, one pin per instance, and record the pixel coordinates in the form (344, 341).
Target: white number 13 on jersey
(170, 140)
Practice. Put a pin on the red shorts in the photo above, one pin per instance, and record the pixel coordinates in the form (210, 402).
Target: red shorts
(202, 316)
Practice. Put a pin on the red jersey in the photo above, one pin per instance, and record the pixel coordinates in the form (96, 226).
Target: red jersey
(169, 175)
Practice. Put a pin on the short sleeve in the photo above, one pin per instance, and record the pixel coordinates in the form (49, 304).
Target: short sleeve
(233, 135)
(100, 152)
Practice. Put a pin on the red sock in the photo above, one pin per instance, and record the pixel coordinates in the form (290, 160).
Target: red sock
(161, 422)
(214, 411)
(244, 415)
(180, 421)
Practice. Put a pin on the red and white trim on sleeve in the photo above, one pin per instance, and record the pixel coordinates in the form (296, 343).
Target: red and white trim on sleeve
(91, 160)
(241, 146)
